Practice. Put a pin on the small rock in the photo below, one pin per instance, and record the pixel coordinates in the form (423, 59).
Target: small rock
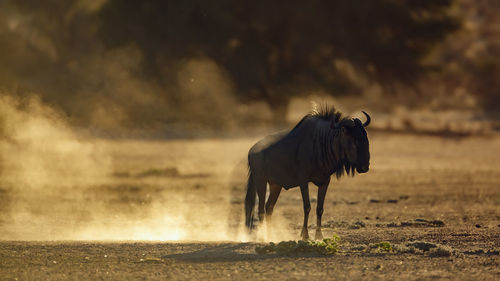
(378, 267)
(392, 201)
(478, 225)
(374, 201)
(436, 223)
(360, 223)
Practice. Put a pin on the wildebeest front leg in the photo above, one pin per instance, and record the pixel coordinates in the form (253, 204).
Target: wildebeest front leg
(319, 210)
(304, 189)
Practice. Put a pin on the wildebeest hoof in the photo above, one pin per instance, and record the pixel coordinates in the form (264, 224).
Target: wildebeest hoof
(319, 235)
(304, 234)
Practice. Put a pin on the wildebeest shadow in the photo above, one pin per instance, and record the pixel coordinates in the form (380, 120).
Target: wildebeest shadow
(227, 252)
(221, 253)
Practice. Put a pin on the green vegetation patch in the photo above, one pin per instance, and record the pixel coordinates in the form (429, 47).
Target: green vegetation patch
(330, 246)
(432, 249)
(327, 246)
(422, 245)
(416, 247)
(379, 247)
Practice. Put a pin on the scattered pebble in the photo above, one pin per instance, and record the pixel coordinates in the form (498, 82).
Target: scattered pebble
(418, 223)
(482, 252)
(357, 225)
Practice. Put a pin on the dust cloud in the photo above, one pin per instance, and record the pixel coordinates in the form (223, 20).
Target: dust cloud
(40, 149)
(112, 99)
(57, 182)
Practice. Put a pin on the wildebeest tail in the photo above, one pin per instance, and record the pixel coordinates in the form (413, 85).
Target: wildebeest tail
(250, 200)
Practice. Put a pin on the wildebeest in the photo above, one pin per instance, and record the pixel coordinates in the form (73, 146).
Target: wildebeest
(321, 144)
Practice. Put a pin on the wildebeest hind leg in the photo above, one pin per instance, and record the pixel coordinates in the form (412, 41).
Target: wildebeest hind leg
(274, 193)
(261, 193)
(304, 189)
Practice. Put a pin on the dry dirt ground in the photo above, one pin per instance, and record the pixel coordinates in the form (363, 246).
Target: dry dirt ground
(173, 210)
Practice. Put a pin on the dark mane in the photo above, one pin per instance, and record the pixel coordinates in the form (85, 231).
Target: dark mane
(330, 157)
(326, 112)
(327, 149)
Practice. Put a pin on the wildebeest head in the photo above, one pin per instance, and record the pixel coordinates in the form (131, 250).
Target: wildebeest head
(354, 142)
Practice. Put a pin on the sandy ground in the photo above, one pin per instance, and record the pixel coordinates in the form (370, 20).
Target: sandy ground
(173, 209)
(217, 261)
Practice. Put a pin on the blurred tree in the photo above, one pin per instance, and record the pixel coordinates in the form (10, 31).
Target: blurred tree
(478, 56)
(274, 49)
(80, 54)
(469, 60)
(44, 45)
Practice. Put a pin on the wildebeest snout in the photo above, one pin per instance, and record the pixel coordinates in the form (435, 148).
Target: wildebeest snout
(363, 169)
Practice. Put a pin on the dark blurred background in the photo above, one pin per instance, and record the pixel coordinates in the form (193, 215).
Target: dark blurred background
(155, 64)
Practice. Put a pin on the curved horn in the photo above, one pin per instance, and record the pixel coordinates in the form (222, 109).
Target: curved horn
(368, 119)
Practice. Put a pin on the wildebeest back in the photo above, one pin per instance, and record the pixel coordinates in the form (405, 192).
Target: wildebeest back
(286, 158)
